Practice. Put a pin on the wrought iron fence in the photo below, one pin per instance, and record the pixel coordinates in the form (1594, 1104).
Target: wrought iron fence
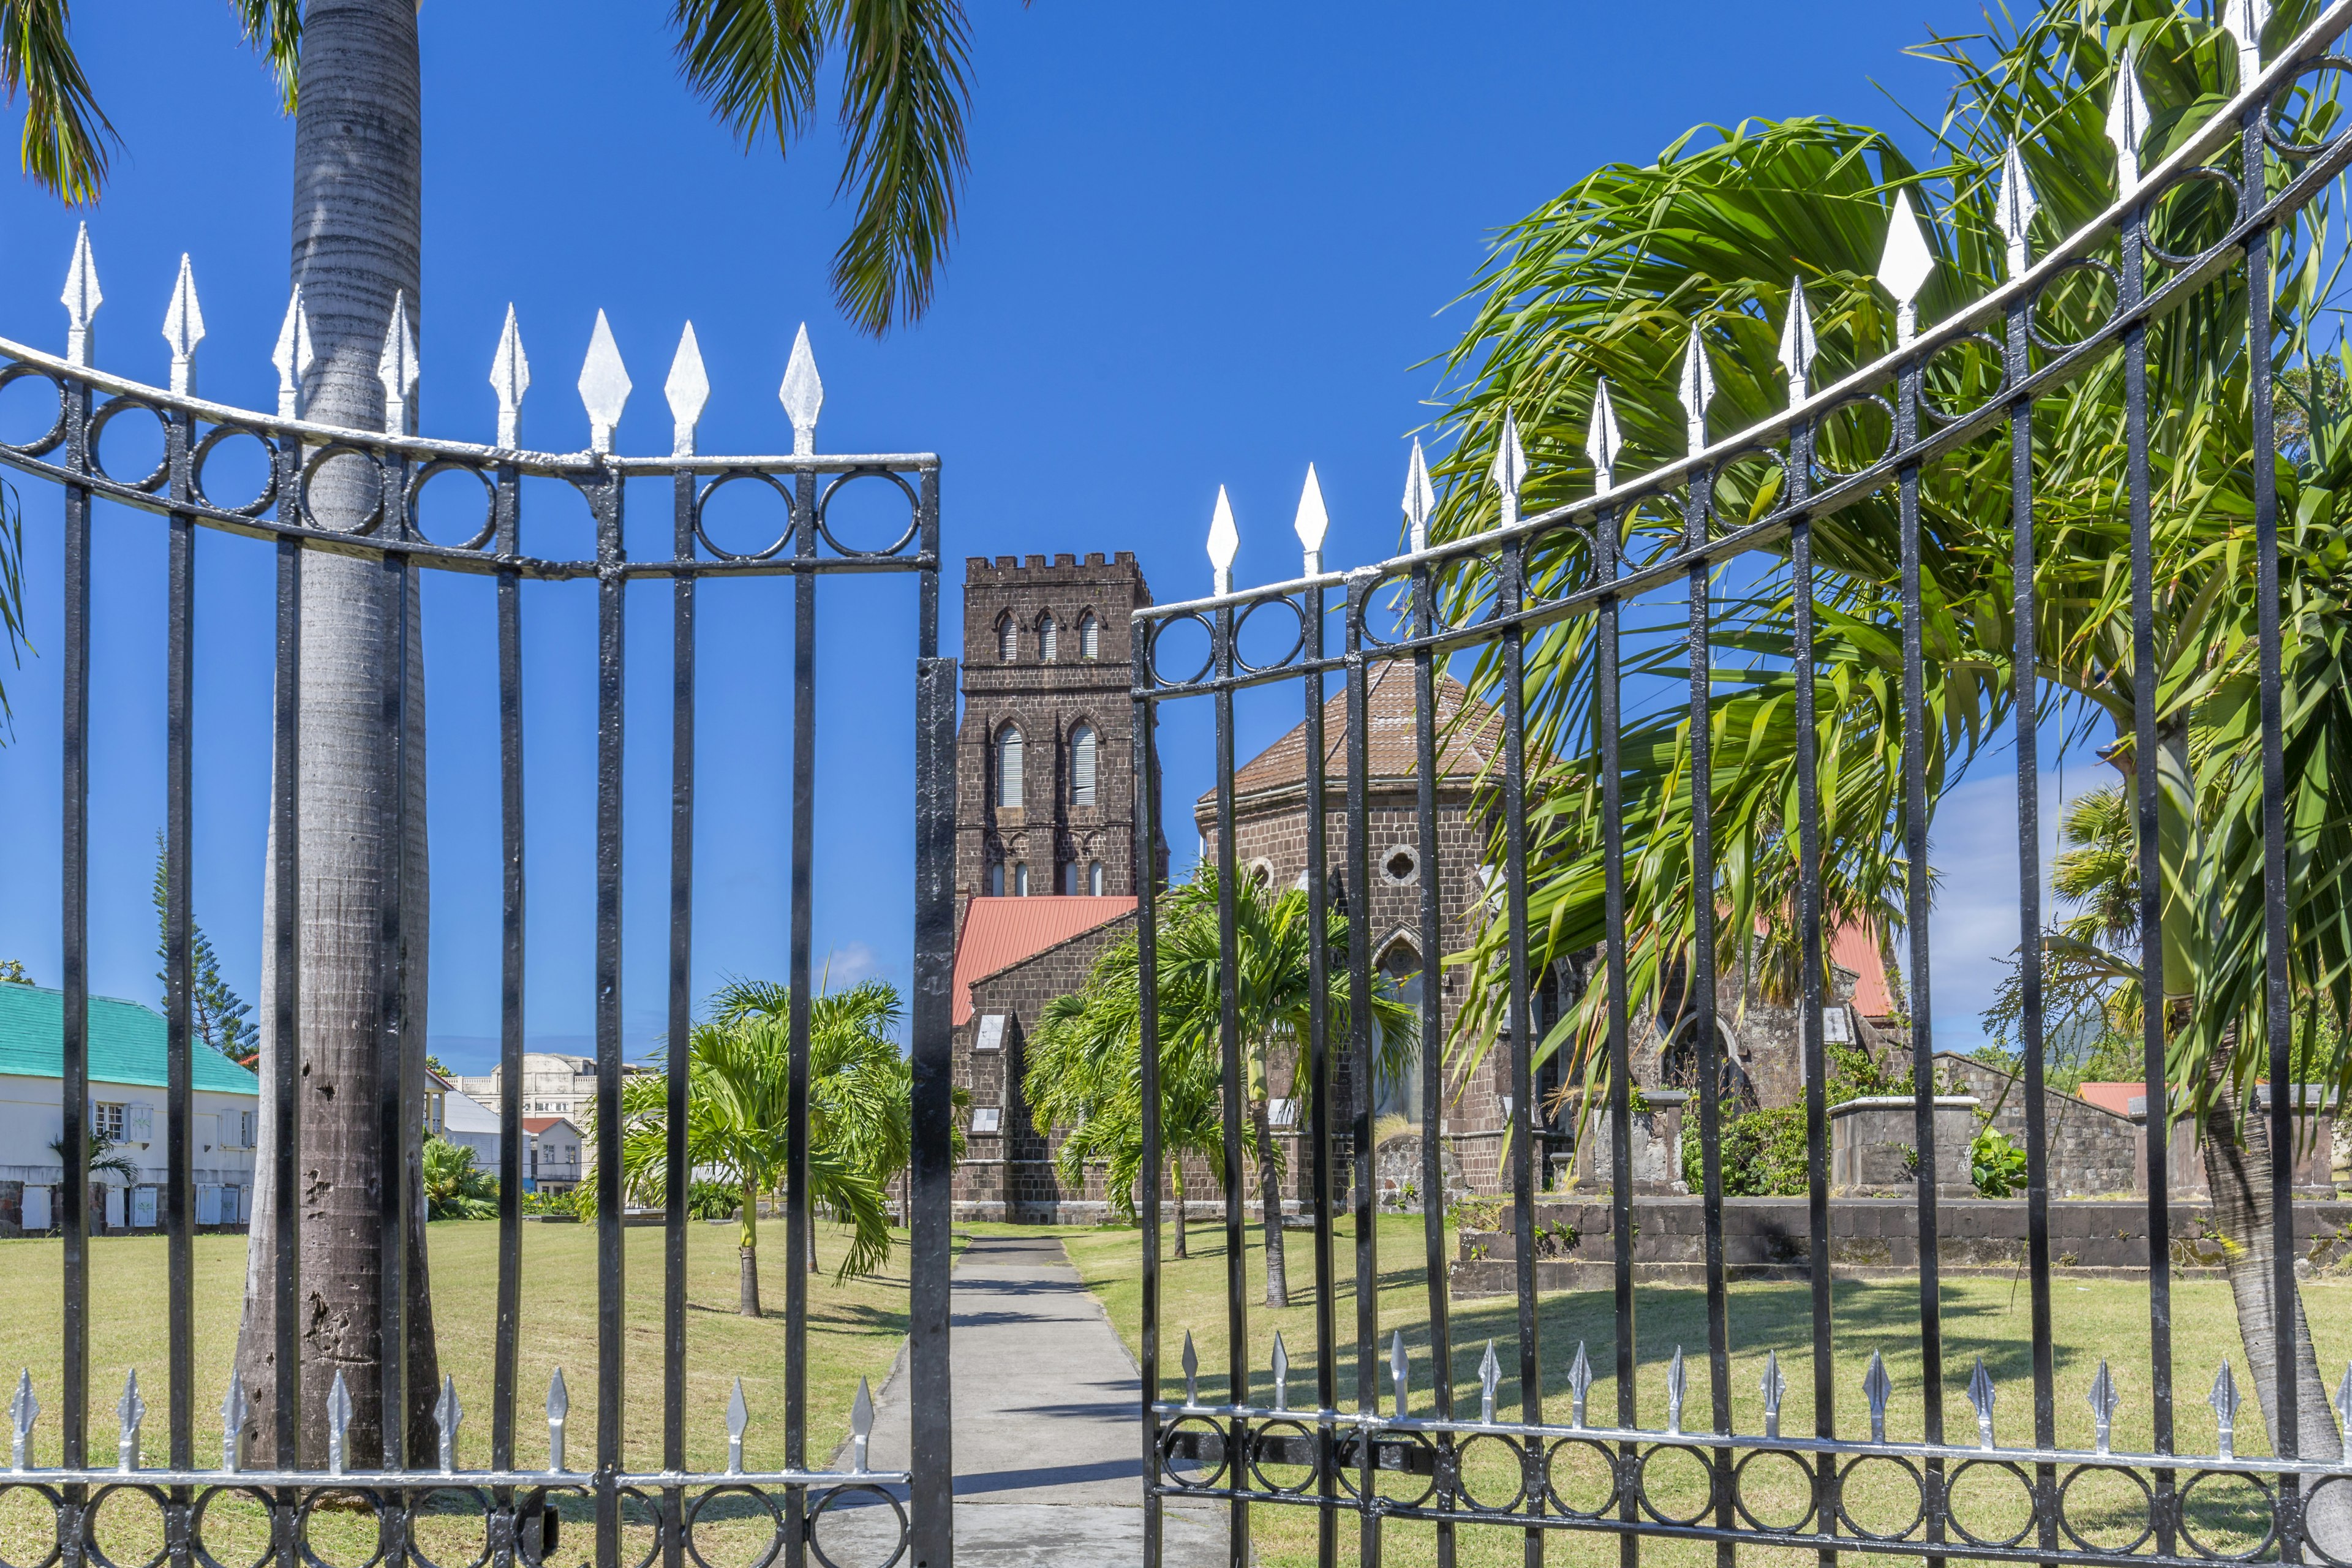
(1395, 1453)
(511, 1496)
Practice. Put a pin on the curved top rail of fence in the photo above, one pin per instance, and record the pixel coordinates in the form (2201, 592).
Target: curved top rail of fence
(89, 399)
(1784, 439)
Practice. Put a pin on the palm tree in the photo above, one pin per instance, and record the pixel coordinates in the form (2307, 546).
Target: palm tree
(1613, 277)
(103, 1160)
(738, 1126)
(1272, 985)
(453, 1189)
(348, 71)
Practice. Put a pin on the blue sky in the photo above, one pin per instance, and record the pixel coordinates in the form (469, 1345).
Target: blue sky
(1201, 245)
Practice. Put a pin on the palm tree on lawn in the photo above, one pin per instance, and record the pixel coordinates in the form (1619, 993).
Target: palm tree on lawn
(1272, 985)
(348, 71)
(1613, 277)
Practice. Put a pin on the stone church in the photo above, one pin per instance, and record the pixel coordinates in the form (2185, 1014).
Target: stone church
(1046, 880)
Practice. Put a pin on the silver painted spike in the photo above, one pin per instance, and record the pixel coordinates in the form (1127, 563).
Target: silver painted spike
(24, 1410)
(1312, 522)
(396, 367)
(1602, 440)
(1398, 1368)
(1677, 1383)
(1420, 500)
(2014, 205)
(558, 1406)
(2127, 118)
(2344, 1401)
(1579, 1383)
(129, 1411)
(1490, 1373)
(2245, 19)
(2224, 1400)
(339, 1423)
(510, 378)
(1281, 1373)
(604, 385)
(739, 1417)
(687, 390)
(81, 300)
(1798, 348)
(1509, 469)
(1224, 543)
(1775, 1386)
(861, 1426)
(2102, 1400)
(1981, 1395)
(1877, 1386)
(447, 1414)
(233, 1413)
(1697, 387)
(1192, 1372)
(803, 394)
(183, 328)
(1905, 265)
(293, 356)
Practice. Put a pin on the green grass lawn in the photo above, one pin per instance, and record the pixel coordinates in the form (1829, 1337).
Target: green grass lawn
(855, 1330)
(1987, 1317)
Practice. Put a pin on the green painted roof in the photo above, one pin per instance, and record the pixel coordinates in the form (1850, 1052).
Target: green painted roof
(126, 1043)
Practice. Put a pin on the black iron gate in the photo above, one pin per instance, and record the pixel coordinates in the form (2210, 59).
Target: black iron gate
(510, 1496)
(1378, 1448)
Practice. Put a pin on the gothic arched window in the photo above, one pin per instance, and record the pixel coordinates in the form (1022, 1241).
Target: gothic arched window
(1008, 766)
(1049, 638)
(1008, 640)
(1082, 765)
(1089, 637)
(996, 881)
(1021, 881)
(1095, 878)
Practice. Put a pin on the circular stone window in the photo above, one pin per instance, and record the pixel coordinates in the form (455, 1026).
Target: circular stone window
(1259, 872)
(1400, 866)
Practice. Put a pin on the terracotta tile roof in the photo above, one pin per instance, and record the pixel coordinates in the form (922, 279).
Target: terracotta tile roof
(1464, 748)
(535, 1125)
(1001, 931)
(1856, 947)
(2123, 1098)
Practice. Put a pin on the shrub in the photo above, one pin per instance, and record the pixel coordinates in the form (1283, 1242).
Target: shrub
(1996, 1165)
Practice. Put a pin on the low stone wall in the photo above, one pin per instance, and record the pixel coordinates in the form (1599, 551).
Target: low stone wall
(2093, 1151)
(1767, 1238)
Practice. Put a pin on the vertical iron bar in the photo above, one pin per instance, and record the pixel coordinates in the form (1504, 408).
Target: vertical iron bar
(285, 1001)
(799, 1209)
(1319, 1089)
(605, 494)
(179, 1166)
(1520, 1126)
(1146, 956)
(1432, 1034)
(930, 1181)
(1808, 1019)
(1357, 888)
(1714, 1070)
(392, 1130)
(1916, 907)
(74, 918)
(1609, 720)
(2156, 1132)
(2025, 674)
(508, 499)
(675, 1173)
(1229, 1037)
(2277, 1021)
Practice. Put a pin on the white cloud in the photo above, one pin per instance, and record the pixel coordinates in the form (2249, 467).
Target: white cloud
(847, 964)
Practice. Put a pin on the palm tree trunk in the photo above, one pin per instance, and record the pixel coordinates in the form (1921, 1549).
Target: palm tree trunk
(747, 1251)
(1269, 1187)
(2238, 1167)
(357, 239)
(1176, 1178)
(812, 1237)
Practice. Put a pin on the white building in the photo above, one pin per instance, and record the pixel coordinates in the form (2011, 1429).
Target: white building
(552, 1159)
(127, 1084)
(552, 1085)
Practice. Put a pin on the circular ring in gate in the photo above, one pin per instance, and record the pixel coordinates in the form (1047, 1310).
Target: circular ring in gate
(303, 1515)
(831, 1498)
(1555, 1486)
(55, 1504)
(416, 1505)
(1642, 1483)
(1919, 1496)
(203, 455)
(89, 1547)
(694, 1513)
(1739, 1483)
(47, 441)
(451, 466)
(105, 416)
(2148, 1500)
(196, 1547)
(1952, 1511)
(914, 510)
(1463, 1464)
(1349, 1473)
(1193, 1425)
(2181, 1511)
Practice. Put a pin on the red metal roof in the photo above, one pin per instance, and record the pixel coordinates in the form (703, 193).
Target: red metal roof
(535, 1125)
(1856, 947)
(998, 931)
(2116, 1097)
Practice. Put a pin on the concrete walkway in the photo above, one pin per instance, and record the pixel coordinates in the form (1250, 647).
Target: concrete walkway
(1049, 1472)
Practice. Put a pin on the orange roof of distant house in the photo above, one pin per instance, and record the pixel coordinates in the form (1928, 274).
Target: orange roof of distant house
(535, 1125)
(1001, 931)
(1856, 947)
(2115, 1096)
